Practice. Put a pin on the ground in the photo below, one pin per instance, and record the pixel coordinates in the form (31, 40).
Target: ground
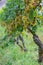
(13, 55)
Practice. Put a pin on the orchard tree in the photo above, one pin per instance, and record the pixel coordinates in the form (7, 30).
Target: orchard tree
(19, 15)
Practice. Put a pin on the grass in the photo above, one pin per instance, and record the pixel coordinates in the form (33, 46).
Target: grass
(13, 55)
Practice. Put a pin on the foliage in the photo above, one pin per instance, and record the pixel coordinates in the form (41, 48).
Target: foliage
(18, 14)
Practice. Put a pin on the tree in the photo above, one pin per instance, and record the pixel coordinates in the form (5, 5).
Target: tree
(19, 15)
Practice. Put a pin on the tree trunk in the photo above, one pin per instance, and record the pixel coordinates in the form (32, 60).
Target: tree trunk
(39, 43)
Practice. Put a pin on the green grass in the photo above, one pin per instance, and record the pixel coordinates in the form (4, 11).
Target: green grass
(13, 55)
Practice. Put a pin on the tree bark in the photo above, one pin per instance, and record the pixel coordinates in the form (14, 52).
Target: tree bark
(39, 43)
